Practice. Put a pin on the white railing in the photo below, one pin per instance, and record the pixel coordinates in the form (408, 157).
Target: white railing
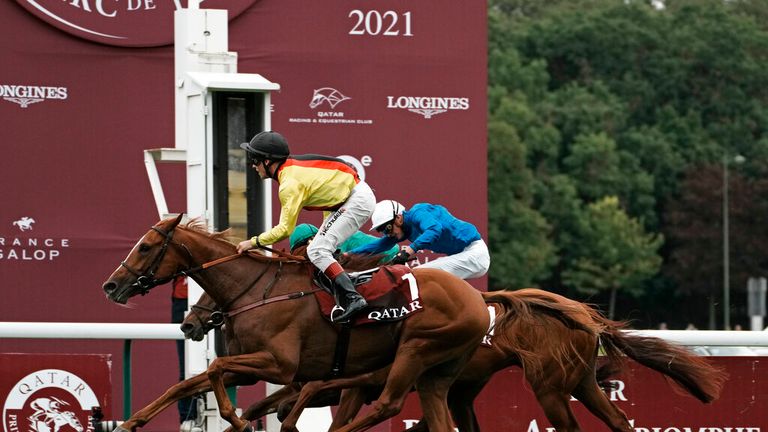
(708, 337)
(63, 330)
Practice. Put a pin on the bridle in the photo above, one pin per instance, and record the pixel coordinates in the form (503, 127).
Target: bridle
(146, 280)
(215, 317)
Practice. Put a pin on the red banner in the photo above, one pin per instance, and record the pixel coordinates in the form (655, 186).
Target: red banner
(652, 405)
(51, 392)
(397, 87)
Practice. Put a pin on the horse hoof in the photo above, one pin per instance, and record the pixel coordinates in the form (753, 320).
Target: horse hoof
(247, 428)
(121, 429)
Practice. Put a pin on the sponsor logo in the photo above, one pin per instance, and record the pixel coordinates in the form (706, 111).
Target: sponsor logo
(534, 426)
(49, 400)
(324, 101)
(331, 220)
(358, 164)
(487, 339)
(130, 23)
(25, 223)
(394, 312)
(23, 248)
(328, 95)
(428, 107)
(26, 95)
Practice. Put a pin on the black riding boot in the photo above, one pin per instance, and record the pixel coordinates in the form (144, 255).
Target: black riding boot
(346, 297)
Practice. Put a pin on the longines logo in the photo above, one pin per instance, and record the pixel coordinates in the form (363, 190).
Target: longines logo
(132, 23)
(427, 106)
(22, 247)
(26, 95)
(324, 101)
(49, 400)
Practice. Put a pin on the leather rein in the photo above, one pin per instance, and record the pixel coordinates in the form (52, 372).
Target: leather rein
(146, 280)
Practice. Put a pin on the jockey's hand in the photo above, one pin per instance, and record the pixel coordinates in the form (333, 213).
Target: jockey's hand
(244, 246)
(402, 257)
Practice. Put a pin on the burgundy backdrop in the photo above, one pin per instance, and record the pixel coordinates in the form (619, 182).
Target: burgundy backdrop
(85, 86)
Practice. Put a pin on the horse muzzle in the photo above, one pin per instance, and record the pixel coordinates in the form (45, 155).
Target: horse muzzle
(113, 292)
(192, 332)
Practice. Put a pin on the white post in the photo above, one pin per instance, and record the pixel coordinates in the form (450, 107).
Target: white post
(757, 323)
(197, 32)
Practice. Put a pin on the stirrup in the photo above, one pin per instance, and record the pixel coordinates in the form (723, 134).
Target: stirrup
(350, 311)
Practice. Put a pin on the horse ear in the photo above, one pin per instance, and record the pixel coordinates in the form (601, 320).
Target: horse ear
(177, 221)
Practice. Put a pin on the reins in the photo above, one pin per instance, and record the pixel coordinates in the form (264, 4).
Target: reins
(146, 280)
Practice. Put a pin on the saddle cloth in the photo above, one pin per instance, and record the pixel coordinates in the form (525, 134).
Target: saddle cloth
(392, 295)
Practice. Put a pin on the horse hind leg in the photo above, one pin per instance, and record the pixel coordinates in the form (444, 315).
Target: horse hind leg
(556, 405)
(312, 388)
(405, 371)
(433, 388)
(461, 399)
(590, 394)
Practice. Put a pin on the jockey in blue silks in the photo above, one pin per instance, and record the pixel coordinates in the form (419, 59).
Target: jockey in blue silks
(430, 227)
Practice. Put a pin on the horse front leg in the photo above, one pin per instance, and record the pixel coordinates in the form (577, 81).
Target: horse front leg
(258, 366)
(349, 405)
(271, 403)
(187, 388)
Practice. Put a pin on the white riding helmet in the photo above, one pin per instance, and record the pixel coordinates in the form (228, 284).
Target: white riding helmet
(385, 212)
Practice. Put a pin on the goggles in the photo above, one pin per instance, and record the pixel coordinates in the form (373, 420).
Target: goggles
(386, 229)
(254, 159)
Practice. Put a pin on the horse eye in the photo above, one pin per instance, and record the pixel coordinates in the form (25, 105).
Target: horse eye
(144, 248)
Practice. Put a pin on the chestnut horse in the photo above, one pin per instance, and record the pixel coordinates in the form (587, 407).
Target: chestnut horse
(281, 337)
(553, 338)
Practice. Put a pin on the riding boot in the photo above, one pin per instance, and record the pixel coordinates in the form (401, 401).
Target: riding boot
(346, 297)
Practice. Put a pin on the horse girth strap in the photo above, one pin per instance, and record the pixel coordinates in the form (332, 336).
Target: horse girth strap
(289, 296)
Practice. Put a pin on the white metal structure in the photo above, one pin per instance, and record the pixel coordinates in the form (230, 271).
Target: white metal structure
(203, 65)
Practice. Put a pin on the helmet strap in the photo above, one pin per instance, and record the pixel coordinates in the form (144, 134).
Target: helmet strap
(274, 164)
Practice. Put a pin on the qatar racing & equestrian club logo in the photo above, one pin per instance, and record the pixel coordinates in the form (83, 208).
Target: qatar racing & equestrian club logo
(324, 102)
(49, 400)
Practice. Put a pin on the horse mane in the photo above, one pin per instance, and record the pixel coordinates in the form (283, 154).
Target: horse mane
(198, 225)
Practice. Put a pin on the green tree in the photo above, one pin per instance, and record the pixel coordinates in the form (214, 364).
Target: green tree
(615, 253)
(618, 98)
(518, 235)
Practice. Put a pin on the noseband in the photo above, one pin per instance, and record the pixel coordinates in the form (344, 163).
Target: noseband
(215, 316)
(146, 280)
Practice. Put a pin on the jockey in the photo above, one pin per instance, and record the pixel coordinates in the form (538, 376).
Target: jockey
(304, 233)
(313, 182)
(431, 227)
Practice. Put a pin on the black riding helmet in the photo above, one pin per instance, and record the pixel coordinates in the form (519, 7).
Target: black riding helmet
(267, 145)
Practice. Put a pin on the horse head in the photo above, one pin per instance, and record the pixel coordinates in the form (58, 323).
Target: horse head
(202, 318)
(154, 260)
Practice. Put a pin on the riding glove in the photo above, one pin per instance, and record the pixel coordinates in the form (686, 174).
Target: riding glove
(402, 257)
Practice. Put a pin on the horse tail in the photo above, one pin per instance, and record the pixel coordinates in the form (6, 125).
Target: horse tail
(524, 324)
(692, 373)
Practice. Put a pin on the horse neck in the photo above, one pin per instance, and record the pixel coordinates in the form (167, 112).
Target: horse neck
(245, 278)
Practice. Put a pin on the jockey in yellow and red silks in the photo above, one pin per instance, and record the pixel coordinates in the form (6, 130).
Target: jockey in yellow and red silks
(314, 182)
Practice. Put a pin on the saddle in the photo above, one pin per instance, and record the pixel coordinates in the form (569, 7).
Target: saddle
(391, 292)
